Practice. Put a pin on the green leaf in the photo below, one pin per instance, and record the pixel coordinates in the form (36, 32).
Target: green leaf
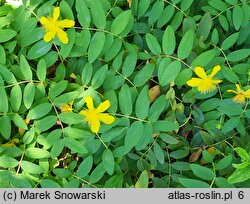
(74, 145)
(129, 64)
(143, 180)
(229, 41)
(57, 148)
(47, 183)
(98, 14)
(39, 111)
(31, 168)
(76, 133)
(71, 118)
(186, 45)
(206, 137)
(108, 161)
(168, 138)
(87, 73)
(224, 163)
(165, 125)
(203, 59)
(36, 153)
(6, 35)
(125, 100)
(39, 49)
(142, 104)
(65, 49)
(146, 138)
(96, 45)
(204, 27)
(99, 77)
(120, 22)
(240, 175)
(209, 104)
(97, 173)
(5, 122)
(230, 124)
(113, 133)
(183, 77)
(155, 12)
(202, 172)
(54, 136)
(4, 105)
(114, 49)
(57, 88)
(66, 98)
(83, 14)
(2, 55)
(179, 154)
(41, 70)
(229, 107)
(192, 183)
(29, 94)
(238, 55)
(181, 166)
(61, 172)
(45, 123)
(143, 7)
(25, 68)
(229, 74)
(8, 162)
(144, 75)
(237, 17)
(168, 41)
(186, 4)
(153, 44)
(170, 72)
(243, 154)
(221, 182)
(19, 122)
(134, 134)
(7, 75)
(157, 108)
(159, 153)
(85, 167)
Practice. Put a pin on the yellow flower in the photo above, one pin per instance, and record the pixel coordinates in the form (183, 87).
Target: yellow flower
(95, 115)
(54, 27)
(240, 94)
(205, 83)
(129, 3)
(66, 107)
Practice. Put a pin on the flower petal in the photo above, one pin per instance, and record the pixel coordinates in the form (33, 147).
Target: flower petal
(62, 36)
(247, 93)
(84, 112)
(106, 118)
(89, 102)
(56, 13)
(232, 91)
(216, 81)
(194, 82)
(94, 124)
(206, 87)
(44, 21)
(49, 36)
(66, 108)
(66, 23)
(103, 106)
(200, 72)
(215, 70)
(238, 88)
(239, 98)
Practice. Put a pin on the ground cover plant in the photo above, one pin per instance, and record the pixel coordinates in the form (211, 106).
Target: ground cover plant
(116, 93)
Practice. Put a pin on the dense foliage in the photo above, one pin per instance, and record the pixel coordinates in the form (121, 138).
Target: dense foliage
(116, 93)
